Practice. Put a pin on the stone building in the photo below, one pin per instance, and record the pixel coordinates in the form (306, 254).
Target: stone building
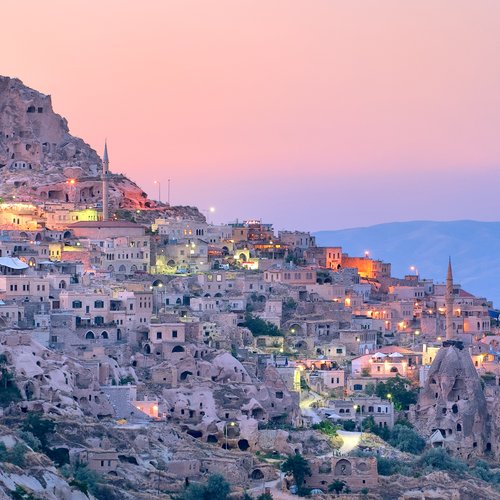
(357, 473)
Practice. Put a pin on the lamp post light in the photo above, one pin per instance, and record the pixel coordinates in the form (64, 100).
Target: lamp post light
(232, 424)
(415, 333)
(209, 211)
(414, 269)
(159, 189)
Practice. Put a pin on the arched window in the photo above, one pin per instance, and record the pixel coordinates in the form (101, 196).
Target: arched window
(105, 335)
(90, 335)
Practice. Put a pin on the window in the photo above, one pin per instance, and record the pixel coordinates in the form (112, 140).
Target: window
(77, 304)
(98, 304)
(158, 335)
(174, 334)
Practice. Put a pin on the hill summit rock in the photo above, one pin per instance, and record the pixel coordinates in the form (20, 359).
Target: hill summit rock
(41, 161)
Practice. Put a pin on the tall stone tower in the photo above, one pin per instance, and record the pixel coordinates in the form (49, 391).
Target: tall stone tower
(105, 183)
(449, 302)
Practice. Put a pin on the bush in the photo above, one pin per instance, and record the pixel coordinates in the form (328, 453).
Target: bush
(86, 480)
(260, 327)
(40, 427)
(397, 387)
(439, 459)
(16, 455)
(338, 486)
(32, 441)
(217, 488)
(9, 393)
(326, 427)
(406, 439)
(298, 466)
(265, 496)
(349, 425)
(368, 424)
(387, 466)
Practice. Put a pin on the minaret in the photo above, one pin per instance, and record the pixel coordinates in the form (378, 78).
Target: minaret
(449, 302)
(105, 183)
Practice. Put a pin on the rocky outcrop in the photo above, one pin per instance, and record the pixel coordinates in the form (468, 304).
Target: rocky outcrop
(38, 155)
(453, 404)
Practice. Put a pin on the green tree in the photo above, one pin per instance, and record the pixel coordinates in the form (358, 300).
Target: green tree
(368, 424)
(17, 454)
(338, 487)
(406, 439)
(387, 466)
(217, 488)
(399, 390)
(9, 393)
(326, 427)
(40, 427)
(265, 496)
(349, 425)
(298, 466)
(32, 441)
(260, 327)
(438, 458)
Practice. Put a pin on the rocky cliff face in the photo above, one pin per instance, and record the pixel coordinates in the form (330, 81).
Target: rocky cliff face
(38, 155)
(452, 402)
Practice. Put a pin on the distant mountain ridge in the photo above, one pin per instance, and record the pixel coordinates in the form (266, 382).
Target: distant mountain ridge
(474, 247)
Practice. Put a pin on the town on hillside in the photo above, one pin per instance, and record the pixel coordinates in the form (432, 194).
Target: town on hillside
(146, 352)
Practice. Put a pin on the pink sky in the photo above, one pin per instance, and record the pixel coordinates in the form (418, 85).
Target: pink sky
(314, 114)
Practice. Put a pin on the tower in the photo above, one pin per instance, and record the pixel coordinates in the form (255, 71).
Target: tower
(105, 183)
(449, 302)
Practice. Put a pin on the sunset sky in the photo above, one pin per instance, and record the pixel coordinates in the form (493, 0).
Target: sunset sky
(312, 114)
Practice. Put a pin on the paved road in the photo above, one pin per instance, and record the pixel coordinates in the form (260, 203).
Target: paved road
(351, 440)
(305, 406)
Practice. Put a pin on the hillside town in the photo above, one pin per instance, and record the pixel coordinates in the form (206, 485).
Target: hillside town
(147, 352)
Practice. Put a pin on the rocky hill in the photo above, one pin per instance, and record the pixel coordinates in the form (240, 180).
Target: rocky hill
(41, 161)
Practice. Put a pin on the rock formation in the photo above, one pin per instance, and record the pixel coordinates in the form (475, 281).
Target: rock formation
(451, 409)
(41, 161)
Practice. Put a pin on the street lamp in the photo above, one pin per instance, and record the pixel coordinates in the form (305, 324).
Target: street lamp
(209, 210)
(232, 424)
(159, 190)
(415, 333)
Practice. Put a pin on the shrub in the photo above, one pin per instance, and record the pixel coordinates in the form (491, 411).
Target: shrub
(16, 455)
(259, 326)
(326, 427)
(40, 427)
(265, 496)
(387, 466)
(406, 439)
(9, 393)
(298, 466)
(349, 425)
(217, 488)
(401, 395)
(439, 459)
(31, 440)
(338, 486)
